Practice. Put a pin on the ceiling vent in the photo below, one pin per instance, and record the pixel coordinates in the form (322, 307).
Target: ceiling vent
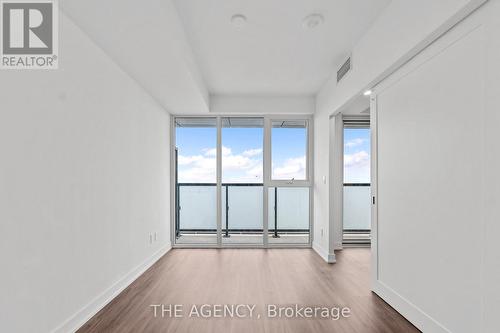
(344, 69)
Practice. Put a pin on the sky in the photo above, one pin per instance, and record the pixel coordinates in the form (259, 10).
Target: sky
(356, 155)
(242, 156)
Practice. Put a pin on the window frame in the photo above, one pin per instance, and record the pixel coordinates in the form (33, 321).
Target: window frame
(267, 181)
(307, 182)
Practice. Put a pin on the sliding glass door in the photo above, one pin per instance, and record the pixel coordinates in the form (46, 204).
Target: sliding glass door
(357, 193)
(242, 181)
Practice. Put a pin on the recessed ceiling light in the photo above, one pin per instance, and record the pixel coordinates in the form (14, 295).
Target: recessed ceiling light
(367, 93)
(312, 21)
(239, 20)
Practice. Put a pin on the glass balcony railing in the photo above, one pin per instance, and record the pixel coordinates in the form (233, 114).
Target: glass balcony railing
(242, 209)
(357, 207)
(196, 207)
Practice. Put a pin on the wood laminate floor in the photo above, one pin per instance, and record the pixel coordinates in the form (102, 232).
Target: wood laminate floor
(255, 277)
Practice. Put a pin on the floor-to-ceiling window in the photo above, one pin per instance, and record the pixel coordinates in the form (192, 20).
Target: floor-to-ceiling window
(196, 180)
(357, 197)
(242, 181)
(289, 195)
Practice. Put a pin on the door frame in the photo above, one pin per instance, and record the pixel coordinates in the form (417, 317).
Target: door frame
(357, 121)
(374, 188)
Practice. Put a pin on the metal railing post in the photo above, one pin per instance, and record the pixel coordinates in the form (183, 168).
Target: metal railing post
(227, 211)
(177, 193)
(276, 213)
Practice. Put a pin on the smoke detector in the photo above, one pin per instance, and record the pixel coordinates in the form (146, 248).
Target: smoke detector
(312, 21)
(239, 20)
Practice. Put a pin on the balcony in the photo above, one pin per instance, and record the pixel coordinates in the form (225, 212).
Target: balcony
(357, 213)
(242, 214)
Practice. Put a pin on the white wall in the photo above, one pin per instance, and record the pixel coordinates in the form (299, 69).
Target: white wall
(84, 179)
(438, 184)
(491, 248)
(320, 186)
(402, 26)
(395, 36)
(262, 104)
(149, 43)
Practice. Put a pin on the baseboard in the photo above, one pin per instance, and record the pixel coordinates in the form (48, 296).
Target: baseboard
(76, 321)
(328, 257)
(410, 311)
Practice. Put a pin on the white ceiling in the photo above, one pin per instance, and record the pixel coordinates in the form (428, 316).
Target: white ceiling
(273, 54)
(359, 105)
(147, 40)
(189, 57)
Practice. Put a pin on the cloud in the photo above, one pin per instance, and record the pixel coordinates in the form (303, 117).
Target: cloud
(291, 168)
(357, 167)
(252, 152)
(197, 168)
(246, 166)
(357, 160)
(354, 142)
(256, 172)
(186, 160)
(213, 151)
(198, 175)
